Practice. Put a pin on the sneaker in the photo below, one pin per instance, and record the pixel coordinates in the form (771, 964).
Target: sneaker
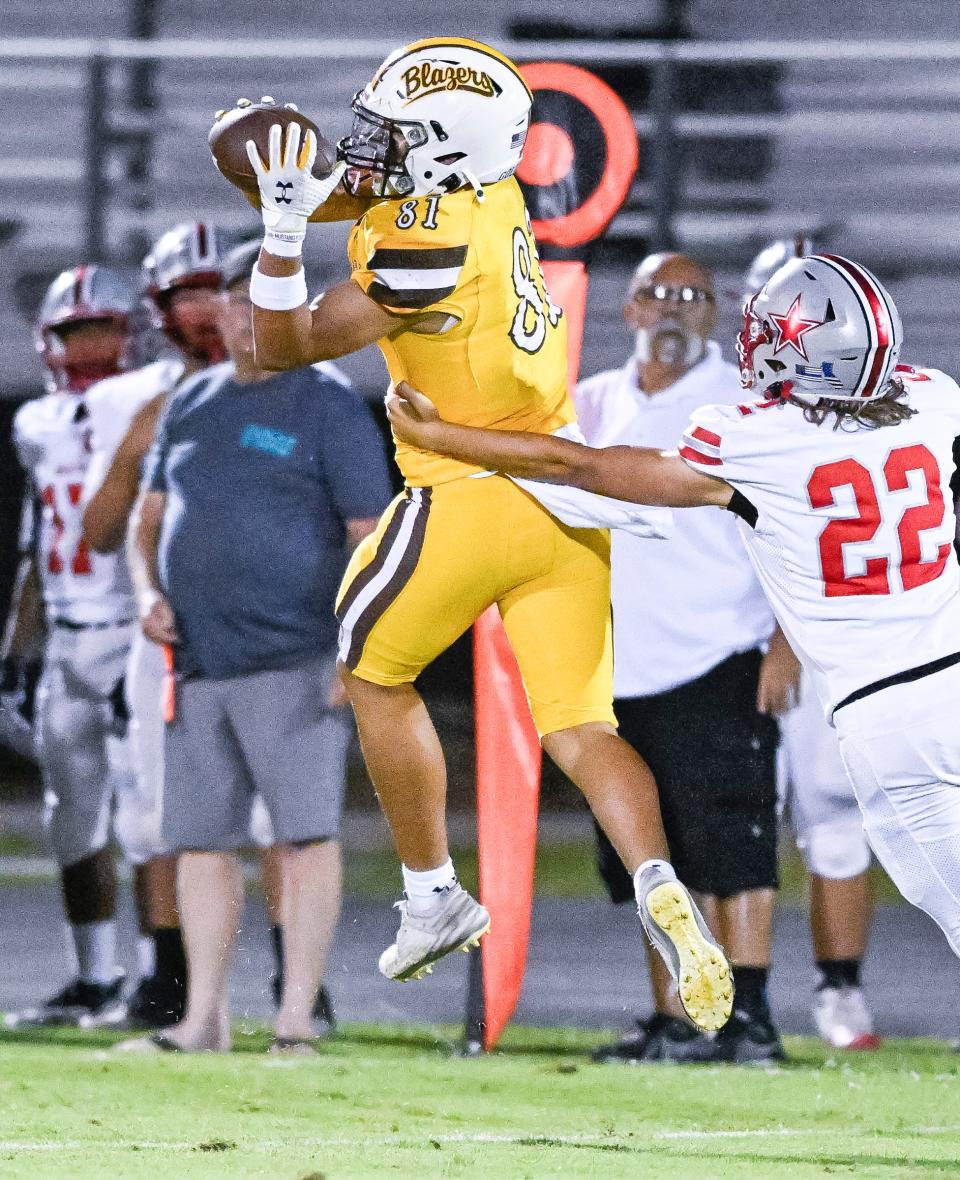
(82, 1004)
(660, 1038)
(749, 1038)
(156, 1003)
(694, 957)
(843, 1019)
(458, 923)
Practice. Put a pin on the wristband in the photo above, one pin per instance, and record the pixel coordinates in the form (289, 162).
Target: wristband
(278, 294)
(284, 243)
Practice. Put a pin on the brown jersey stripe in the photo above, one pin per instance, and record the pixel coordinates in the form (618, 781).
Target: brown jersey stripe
(408, 563)
(411, 299)
(418, 258)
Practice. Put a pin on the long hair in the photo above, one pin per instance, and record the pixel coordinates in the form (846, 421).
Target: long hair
(887, 409)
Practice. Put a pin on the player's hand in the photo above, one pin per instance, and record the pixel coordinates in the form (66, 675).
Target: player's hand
(778, 689)
(412, 414)
(158, 622)
(289, 192)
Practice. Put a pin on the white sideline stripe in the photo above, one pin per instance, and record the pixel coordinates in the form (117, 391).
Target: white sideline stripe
(519, 1138)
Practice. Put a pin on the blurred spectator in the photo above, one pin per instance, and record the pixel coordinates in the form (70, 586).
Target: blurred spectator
(826, 818)
(258, 482)
(83, 336)
(694, 689)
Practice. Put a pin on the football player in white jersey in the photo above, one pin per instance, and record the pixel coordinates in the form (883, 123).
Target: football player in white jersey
(825, 816)
(839, 473)
(83, 335)
(181, 276)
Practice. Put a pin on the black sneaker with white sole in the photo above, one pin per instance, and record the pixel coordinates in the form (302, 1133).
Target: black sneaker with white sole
(156, 1003)
(659, 1038)
(81, 1004)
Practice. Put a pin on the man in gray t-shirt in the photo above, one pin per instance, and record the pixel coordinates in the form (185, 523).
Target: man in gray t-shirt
(259, 485)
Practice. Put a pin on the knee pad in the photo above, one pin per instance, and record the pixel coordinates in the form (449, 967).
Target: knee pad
(76, 828)
(137, 829)
(837, 849)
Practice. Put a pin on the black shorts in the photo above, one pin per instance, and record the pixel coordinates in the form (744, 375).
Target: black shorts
(714, 758)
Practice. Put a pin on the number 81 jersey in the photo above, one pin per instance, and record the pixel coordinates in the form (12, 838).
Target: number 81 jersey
(500, 358)
(52, 438)
(850, 530)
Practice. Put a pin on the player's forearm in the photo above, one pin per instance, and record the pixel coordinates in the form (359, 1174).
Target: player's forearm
(25, 621)
(147, 535)
(281, 339)
(105, 517)
(530, 456)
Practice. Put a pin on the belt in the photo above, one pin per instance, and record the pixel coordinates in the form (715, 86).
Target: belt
(917, 673)
(70, 625)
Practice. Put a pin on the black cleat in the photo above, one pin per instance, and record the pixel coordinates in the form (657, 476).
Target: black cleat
(81, 1004)
(660, 1038)
(156, 1003)
(749, 1038)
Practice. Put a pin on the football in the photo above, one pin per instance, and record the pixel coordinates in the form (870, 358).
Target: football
(231, 130)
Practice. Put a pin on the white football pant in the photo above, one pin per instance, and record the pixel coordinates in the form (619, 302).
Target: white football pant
(901, 748)
(827, 823)
(82, 760)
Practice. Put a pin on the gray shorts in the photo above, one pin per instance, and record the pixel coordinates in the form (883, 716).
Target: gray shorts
(269, 732)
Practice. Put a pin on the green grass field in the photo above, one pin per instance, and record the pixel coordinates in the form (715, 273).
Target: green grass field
(387, 1101)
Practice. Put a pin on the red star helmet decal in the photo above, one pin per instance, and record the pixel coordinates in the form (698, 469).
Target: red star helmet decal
(791, 327)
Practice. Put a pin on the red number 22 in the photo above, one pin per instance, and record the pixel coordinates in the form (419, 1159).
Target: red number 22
(863, 527)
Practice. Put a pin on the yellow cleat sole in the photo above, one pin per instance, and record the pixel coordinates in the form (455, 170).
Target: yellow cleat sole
(426, 968)
(703, 977)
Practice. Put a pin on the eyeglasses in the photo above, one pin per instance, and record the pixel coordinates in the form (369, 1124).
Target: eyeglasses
(660, 293)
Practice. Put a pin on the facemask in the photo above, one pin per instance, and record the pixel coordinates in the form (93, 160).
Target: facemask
(670, 342)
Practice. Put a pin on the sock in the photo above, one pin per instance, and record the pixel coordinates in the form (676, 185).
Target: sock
(279, 959)
(146, 956)
(750, 990)
(171, 958)
(425, 890)
(837, 972)
(662, 868)
(96, 947)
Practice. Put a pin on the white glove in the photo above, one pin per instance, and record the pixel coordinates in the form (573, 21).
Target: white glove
(289, 192)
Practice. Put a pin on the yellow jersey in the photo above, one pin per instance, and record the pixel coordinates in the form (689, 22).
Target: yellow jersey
(502, 360)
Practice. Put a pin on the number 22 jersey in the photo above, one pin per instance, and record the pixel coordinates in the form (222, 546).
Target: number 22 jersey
(501, 362)
(850, 530)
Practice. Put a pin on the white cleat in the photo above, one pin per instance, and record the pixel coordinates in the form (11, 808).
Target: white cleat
(843, 1019)
(693, 956)
(458, 924)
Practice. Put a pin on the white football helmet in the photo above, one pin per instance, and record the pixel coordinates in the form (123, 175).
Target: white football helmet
(438, 114)
(821, 327)
(771, 258)
(83, 295)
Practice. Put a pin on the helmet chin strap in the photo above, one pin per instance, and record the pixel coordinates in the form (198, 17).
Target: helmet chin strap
(475, 184)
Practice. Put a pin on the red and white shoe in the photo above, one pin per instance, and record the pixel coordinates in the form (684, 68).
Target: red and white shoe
(843, 1019)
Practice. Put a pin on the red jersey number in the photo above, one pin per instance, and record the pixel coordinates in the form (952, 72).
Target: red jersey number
(80, 562)
(849, 530)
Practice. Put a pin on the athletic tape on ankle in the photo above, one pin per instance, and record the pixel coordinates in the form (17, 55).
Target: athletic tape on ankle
(278, 294)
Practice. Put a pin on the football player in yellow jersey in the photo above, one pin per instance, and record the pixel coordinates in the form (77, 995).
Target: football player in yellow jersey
(446, 280)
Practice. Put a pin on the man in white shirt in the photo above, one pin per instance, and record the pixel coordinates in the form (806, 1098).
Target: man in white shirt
(693, 689)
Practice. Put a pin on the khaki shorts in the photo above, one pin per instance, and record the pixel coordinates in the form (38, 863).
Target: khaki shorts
(272, 733)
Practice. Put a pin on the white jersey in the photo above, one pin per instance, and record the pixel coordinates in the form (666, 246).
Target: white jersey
(114, 403)
(853, 532)
(683, 605)
(52, 437)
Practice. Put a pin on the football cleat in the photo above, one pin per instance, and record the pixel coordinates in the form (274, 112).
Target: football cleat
(749, 1038)
(660, 1038)
(843, 1019)
(156, 1003)
(81, 1004)
(693, 956)
(458, 923)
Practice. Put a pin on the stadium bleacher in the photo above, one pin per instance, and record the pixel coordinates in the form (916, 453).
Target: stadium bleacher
(876, 166)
